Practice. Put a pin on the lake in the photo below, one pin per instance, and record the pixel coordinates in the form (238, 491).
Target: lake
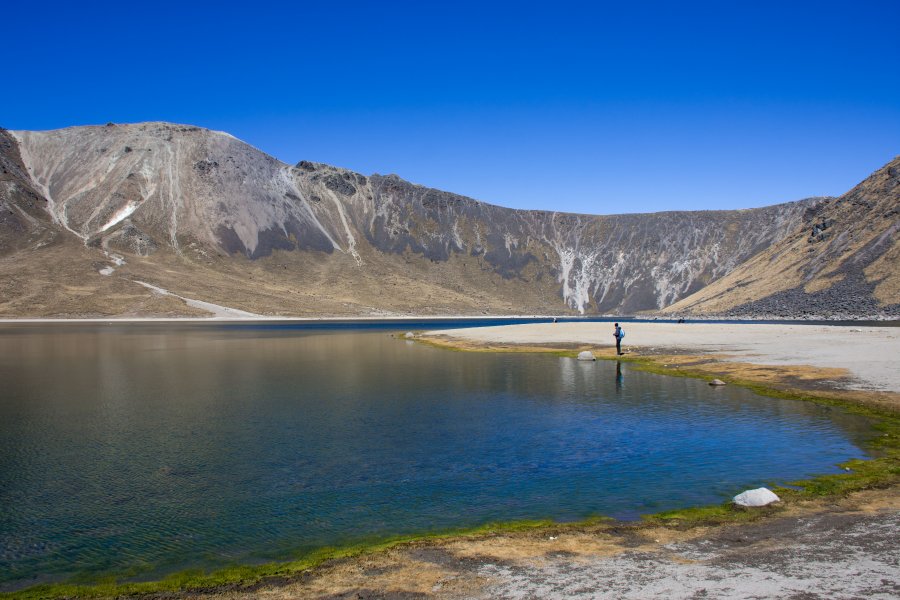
(141, 450)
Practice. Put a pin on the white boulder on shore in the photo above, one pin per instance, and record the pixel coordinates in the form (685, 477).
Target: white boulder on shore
(758, 497)
(586, 355)
(409, 335)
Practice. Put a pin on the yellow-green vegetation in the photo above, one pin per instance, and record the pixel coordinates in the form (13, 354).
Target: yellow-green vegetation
(881, 471)
(460, 346)
(247, 575)
(711, 515)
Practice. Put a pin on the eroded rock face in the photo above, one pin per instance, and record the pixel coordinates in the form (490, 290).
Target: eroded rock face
(146, 186)
(602, 264)
(24, 218)
(173, 183)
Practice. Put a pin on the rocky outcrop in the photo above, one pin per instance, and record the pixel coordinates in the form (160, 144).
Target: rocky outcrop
(158, 189)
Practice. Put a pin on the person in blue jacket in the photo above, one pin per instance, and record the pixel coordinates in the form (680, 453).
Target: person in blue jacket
(619, 334)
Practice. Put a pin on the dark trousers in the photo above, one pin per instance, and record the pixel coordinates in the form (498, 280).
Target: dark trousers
(618, 345)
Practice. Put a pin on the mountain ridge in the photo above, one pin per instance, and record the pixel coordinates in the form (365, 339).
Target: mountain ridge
(188, 205)
(187, 127)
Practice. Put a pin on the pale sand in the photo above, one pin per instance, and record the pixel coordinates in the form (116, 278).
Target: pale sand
(870, 354)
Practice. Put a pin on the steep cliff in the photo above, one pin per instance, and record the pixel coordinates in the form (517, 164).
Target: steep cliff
(202, 213)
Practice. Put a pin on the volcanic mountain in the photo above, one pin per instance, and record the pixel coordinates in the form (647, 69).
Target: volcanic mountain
(95, 221)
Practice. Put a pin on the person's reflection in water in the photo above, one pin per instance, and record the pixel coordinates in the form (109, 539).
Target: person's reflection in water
(620, 379)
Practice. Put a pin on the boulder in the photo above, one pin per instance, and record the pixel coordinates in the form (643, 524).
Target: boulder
(717, 382)
(409, 335)
(758, 497)
(586, 355)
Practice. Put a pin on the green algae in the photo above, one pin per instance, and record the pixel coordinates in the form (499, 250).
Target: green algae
(250, 575)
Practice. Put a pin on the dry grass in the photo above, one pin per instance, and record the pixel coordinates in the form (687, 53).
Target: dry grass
(63, 280)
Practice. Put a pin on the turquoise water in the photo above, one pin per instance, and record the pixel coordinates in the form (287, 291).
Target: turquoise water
(144, 451)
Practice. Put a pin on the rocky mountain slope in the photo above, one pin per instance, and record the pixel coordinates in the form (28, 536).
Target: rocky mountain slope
(90, 211)
(843, 262)
(24, 219)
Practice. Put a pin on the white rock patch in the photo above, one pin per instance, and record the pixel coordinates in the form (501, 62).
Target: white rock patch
(758, 497)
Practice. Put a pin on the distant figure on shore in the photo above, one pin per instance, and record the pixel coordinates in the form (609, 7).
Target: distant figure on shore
(619, 333)
(554, 319)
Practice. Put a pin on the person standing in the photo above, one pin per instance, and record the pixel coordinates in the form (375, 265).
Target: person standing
(618, 334)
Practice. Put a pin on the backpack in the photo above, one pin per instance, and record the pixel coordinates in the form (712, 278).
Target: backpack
(621, 333)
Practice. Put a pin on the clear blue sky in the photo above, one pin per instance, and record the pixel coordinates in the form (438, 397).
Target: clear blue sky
(584, 107)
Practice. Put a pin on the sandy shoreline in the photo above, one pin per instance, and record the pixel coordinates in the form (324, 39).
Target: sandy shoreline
(843, 549)
(870, 355)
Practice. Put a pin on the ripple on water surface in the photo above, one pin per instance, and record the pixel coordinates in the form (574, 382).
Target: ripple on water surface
(148, 452)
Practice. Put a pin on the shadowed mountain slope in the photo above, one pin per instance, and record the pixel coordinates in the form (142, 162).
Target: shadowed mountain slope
(209, 217)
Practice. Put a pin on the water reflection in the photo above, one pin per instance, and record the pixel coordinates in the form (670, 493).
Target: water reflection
(166, 448)
(620, 379)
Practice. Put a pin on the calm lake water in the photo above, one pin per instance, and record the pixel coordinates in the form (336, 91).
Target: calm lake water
(147, 450)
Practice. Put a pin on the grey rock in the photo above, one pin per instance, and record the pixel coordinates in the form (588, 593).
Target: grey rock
(339, 184)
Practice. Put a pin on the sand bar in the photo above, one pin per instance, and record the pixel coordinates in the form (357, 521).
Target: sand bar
(871, 355)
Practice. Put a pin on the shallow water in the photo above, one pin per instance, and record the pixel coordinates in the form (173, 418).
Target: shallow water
(146, 450)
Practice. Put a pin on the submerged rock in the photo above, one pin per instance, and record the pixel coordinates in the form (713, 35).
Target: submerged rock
(758, 497)
(717, 382)
(586, 355)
